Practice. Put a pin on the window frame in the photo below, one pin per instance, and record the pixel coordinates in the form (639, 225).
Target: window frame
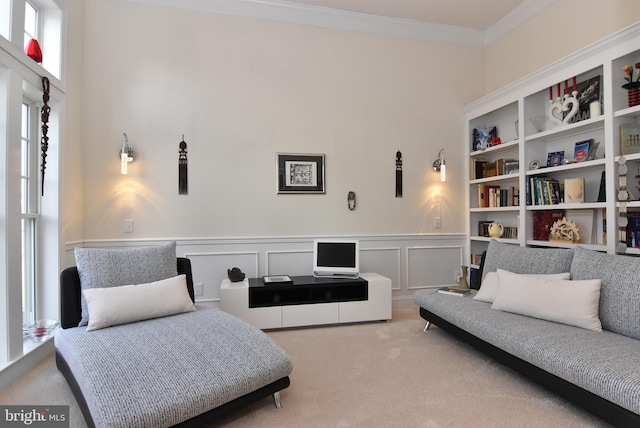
(30, 210)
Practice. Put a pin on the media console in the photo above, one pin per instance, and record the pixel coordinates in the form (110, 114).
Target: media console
(308, 301)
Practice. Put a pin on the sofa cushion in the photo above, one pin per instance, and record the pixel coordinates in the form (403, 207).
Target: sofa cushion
(620, 293)
(567, 302)
(130, 303)
(518, 259)
(101, 268)
(489, 287)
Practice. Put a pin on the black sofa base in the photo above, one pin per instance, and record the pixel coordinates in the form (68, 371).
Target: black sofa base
(197, 421)
(592, 403)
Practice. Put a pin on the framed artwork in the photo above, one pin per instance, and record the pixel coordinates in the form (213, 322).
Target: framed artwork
(581, 151)
(555, 158)
(300, 173)
(482, 137)
(588, 92)
(629, 139)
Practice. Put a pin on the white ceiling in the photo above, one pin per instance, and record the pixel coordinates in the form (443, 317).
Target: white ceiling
(464, 22)
(475, 14)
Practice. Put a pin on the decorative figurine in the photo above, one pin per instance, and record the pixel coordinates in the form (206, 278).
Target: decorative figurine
(235, 274)
(183, 187)
(398, 174)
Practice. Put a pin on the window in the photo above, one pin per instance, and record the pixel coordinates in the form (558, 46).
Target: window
(29, 202)
(30, 23)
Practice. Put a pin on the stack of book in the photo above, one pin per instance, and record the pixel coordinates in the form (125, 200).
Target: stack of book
(544, 191)
(453, 291)
(490, 196)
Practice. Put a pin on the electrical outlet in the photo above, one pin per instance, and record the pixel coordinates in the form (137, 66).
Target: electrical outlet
(198, 289)
(458, 276)
(436, 223)
(128, 226)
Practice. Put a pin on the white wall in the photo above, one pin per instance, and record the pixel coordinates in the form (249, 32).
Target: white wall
(561, 29)
(241, 90)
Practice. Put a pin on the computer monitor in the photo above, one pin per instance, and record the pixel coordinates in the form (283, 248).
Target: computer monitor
(336, 258)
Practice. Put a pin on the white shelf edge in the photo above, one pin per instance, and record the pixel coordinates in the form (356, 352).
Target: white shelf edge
(631, 111)
(631, 157)
(487, 239)
(495, 149)
(573, 206)
(503, 177)
(567, 167)
(496, 209)
(588, 124)
(595, 247)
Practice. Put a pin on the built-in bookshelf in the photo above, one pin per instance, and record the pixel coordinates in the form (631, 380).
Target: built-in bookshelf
(526, 169)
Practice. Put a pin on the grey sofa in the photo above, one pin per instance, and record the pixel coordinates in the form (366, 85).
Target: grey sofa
(599, 371)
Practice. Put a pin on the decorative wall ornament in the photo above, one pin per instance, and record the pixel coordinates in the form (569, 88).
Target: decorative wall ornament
(351, 200)
(44, 139)
(183, 173)
(398, 174)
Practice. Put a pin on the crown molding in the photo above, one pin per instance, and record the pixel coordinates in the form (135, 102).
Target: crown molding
(296, 13)
(514, 19)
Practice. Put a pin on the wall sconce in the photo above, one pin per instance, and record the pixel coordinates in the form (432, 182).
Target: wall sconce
(439, 166)
(126, 155)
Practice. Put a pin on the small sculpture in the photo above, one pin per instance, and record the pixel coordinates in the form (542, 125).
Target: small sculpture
(235, 274)
(564, 230)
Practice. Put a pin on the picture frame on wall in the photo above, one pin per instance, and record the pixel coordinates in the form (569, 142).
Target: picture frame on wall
(629, 139)
(300, 173)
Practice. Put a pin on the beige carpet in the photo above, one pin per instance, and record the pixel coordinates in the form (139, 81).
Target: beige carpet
(372, 375)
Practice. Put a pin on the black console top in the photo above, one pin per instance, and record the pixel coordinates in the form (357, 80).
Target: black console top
(306, 280)
(306, 290)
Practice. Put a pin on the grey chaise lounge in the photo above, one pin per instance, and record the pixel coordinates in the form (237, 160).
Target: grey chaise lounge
(178, 370)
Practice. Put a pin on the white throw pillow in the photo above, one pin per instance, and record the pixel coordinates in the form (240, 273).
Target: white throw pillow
(129, 303)
(567, 302)
(489, 287)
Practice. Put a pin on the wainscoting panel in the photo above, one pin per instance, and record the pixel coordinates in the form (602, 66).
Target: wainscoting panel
(292, 263)
(385, 261)
(433, 266)
(410, 261)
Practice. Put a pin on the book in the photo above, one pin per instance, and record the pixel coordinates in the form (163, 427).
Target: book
(453, 291)
(574, 190)
(542, 222)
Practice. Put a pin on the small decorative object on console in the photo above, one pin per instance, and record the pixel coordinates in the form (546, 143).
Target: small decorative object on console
(235, 275)
(277, 279)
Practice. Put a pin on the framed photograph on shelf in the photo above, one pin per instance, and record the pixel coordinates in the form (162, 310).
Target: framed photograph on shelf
(482, 137)
(300, 173)
(629, 139)
(588, 91)
(555, 158)
(581, 151)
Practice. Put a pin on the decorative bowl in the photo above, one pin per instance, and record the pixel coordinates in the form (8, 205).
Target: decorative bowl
(41, 330)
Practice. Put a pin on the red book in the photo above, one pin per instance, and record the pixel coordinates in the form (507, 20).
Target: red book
(542, 222)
